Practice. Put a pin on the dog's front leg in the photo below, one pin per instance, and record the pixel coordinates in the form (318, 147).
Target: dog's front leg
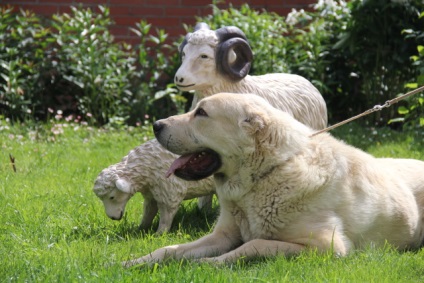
(258, 248)
(213, 244)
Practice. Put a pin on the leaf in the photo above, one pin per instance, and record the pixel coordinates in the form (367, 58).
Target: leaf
(403, 110)
(136, 31)
(420, 80)
(395, 120)
(420, 49)
(411, 85)
(408, 31)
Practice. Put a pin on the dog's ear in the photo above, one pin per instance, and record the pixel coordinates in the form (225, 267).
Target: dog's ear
(123, 185)
(262, 129)
(253, 124)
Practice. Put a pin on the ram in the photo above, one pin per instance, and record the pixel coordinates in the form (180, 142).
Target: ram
(219, 61)
(142, 170)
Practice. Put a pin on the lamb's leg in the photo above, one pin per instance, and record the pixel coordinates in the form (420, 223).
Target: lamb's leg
(149, 212)
(205, 203)
(167, 214)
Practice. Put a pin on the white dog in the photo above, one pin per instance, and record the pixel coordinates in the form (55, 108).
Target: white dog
(282, 191)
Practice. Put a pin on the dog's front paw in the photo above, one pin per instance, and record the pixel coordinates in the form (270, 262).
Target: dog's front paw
(129, 263)
(139, 261)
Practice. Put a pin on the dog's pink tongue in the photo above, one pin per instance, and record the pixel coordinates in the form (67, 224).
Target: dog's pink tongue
(178, 163)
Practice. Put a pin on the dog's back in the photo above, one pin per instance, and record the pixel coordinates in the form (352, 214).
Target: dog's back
(379, 198)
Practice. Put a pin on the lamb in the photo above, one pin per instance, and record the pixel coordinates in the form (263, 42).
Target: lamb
(142, 170)
(219, 61)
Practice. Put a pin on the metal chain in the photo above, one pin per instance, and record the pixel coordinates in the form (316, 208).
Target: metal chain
(374, 109)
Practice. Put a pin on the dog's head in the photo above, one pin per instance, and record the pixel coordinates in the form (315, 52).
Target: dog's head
(219, 134)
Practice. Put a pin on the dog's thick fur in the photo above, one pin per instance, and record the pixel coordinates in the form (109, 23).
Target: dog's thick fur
(282, 191)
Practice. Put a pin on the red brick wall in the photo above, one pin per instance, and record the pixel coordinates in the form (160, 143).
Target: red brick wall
(169, 15)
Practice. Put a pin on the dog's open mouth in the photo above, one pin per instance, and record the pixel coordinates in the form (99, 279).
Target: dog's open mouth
(195, 166)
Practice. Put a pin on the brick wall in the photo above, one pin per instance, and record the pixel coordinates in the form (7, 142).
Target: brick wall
(165, 14)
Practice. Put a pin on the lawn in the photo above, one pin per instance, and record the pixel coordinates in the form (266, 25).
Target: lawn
(54, 229)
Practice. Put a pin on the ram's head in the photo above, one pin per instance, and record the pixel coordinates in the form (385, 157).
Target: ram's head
(208, 56)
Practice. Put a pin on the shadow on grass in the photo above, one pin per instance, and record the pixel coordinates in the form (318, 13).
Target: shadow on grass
(189, 219)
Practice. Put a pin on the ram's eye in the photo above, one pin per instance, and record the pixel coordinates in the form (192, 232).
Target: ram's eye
(200, 112)
(111, 197)
(204, 56)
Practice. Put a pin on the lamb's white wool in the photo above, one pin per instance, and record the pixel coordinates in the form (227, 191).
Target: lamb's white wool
(143, 170)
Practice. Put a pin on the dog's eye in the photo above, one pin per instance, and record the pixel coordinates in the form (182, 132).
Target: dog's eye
(200, 112)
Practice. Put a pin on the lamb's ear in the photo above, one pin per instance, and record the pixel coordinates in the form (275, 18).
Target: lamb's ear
(253, 124)
(123, 186)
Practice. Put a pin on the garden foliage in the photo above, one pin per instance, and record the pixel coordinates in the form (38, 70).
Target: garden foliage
(358, 53)
(72, 64)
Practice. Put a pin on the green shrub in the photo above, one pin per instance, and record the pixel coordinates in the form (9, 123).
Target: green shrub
(353, 52)
(412, 113)
(376, 53)
(23, 39)
(87, 57)
(72, 64)
(155, 95)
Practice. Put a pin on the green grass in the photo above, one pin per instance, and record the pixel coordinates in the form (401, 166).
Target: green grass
(54, 229)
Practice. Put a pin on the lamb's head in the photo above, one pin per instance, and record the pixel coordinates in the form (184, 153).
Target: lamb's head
(209, 57)
(113, 191)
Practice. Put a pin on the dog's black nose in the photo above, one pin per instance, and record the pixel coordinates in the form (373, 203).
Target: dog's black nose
(157, 127)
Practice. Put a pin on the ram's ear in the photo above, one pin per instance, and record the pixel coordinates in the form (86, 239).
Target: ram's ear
(253, 124)
(123, 185)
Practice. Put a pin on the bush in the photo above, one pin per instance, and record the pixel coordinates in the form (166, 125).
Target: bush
(353, 52)
(412, 113)
(155, 95)
(73, 66)
(86, 57)
(23, 40)
(377, 53)
(366, 55)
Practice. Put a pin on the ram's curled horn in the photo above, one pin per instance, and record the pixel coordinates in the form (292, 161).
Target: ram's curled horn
(198, 26)
(233, 39)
